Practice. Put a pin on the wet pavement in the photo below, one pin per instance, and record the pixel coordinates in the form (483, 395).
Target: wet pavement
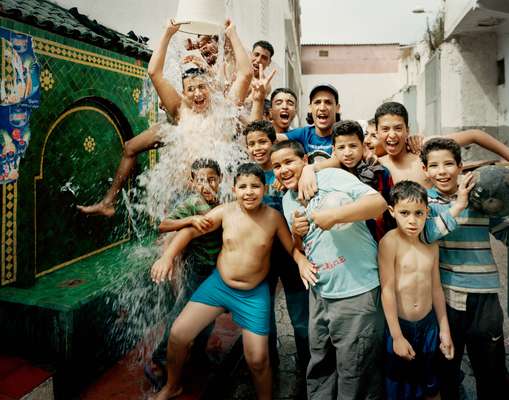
(289, 383)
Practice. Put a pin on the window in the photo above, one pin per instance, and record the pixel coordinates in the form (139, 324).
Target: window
(501, 72)
(323, 53)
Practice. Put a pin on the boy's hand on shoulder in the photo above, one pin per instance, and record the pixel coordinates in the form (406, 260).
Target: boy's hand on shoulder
(370, 158)
(464, 188)
(201, 222)
(278, 186)
(300, 226)
(307, 183)
(402, 348)
(446, 345)
(161, 270)
(307, 272)
(414, 143)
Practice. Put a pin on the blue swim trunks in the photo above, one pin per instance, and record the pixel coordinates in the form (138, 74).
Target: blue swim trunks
(250, 308)
(414, 379)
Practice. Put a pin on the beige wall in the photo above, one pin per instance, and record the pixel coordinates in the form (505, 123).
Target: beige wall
(365, 75)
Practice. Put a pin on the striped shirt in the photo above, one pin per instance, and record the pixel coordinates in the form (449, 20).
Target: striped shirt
(466, 260)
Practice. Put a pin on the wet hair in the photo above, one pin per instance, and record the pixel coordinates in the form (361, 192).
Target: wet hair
(347, 128)
(249, 169)
(205, 163)
(441, 144)
(408, 190)
(266, 108)
(391, 108)
(192, 72)
(282, 90)
(372, 121)
(261, 126)
(295, 146)
(265, 45)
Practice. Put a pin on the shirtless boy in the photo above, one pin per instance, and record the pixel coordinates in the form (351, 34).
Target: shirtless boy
(237, 285)
(413, 300)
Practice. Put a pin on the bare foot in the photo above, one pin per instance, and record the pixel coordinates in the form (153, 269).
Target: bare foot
(167, 393)
(103, 209)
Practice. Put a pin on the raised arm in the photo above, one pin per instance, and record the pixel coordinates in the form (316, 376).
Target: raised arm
(481, 138)
(386, 265)
(169, 96)
(367, 207)
(240, 86)
(438, 298)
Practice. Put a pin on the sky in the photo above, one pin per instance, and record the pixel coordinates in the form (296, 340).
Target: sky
(365, 21)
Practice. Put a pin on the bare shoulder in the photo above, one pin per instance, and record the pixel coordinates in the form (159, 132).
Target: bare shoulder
(389, 239)
(273, 215)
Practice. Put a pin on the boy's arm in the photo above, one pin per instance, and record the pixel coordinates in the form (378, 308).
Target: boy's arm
(167, 93)
(243, 66)
(306, 269)
(481, 138)
(258, 94)
(367, 207)
(442, 220)
(386, 262)
(161, 269)
(446, 345)
(307, 181)
(200, 222)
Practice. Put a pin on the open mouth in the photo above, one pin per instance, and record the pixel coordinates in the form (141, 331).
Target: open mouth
(284, 116)
(259, 156)
(391, 144)
(322, 118)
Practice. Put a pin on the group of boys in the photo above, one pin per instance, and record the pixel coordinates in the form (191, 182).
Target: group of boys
(421, 257)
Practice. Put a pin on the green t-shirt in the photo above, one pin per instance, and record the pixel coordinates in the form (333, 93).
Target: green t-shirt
(204, 249)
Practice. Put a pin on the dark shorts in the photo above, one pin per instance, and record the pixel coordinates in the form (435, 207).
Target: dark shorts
(417, 378)
(250, 308)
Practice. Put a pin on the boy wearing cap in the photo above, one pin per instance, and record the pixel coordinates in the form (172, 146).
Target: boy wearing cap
(323, 112)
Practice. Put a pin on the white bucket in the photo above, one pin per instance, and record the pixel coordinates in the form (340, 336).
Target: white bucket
(203, 17)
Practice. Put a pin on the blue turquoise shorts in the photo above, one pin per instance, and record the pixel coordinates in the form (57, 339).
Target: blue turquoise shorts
(250, 308)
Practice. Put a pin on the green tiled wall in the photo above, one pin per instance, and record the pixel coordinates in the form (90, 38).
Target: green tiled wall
(88, 109)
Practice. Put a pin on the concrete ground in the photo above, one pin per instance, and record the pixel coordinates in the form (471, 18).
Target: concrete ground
(289, 383)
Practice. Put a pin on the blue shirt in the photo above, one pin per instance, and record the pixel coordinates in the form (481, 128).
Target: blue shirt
(346, 259)
(310, 140)
(272, 197)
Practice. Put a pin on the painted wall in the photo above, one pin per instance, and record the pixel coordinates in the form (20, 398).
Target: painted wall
(365, 75)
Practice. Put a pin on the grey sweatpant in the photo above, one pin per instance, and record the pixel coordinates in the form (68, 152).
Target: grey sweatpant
(346, 343)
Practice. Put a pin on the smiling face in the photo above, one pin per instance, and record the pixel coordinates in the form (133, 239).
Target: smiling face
(410, 215)
(371, 138)
(249, 191)
(287, 167)
(196, 93)
(259, 55)
(392, 132)
(443, 171)
(258, 147)
(282, 111)
(348, 150)
(206, 182)
(323, 109)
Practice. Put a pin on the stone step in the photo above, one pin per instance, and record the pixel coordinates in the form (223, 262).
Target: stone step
(21, 380)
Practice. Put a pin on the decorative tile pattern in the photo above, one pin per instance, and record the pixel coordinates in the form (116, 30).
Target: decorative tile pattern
(47, 80)
(89, 144)
(9, 234)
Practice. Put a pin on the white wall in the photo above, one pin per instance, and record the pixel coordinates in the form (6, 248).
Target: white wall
(503, 90)
(359, 94)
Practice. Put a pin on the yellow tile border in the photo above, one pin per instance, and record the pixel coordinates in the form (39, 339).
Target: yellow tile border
(9, 232)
